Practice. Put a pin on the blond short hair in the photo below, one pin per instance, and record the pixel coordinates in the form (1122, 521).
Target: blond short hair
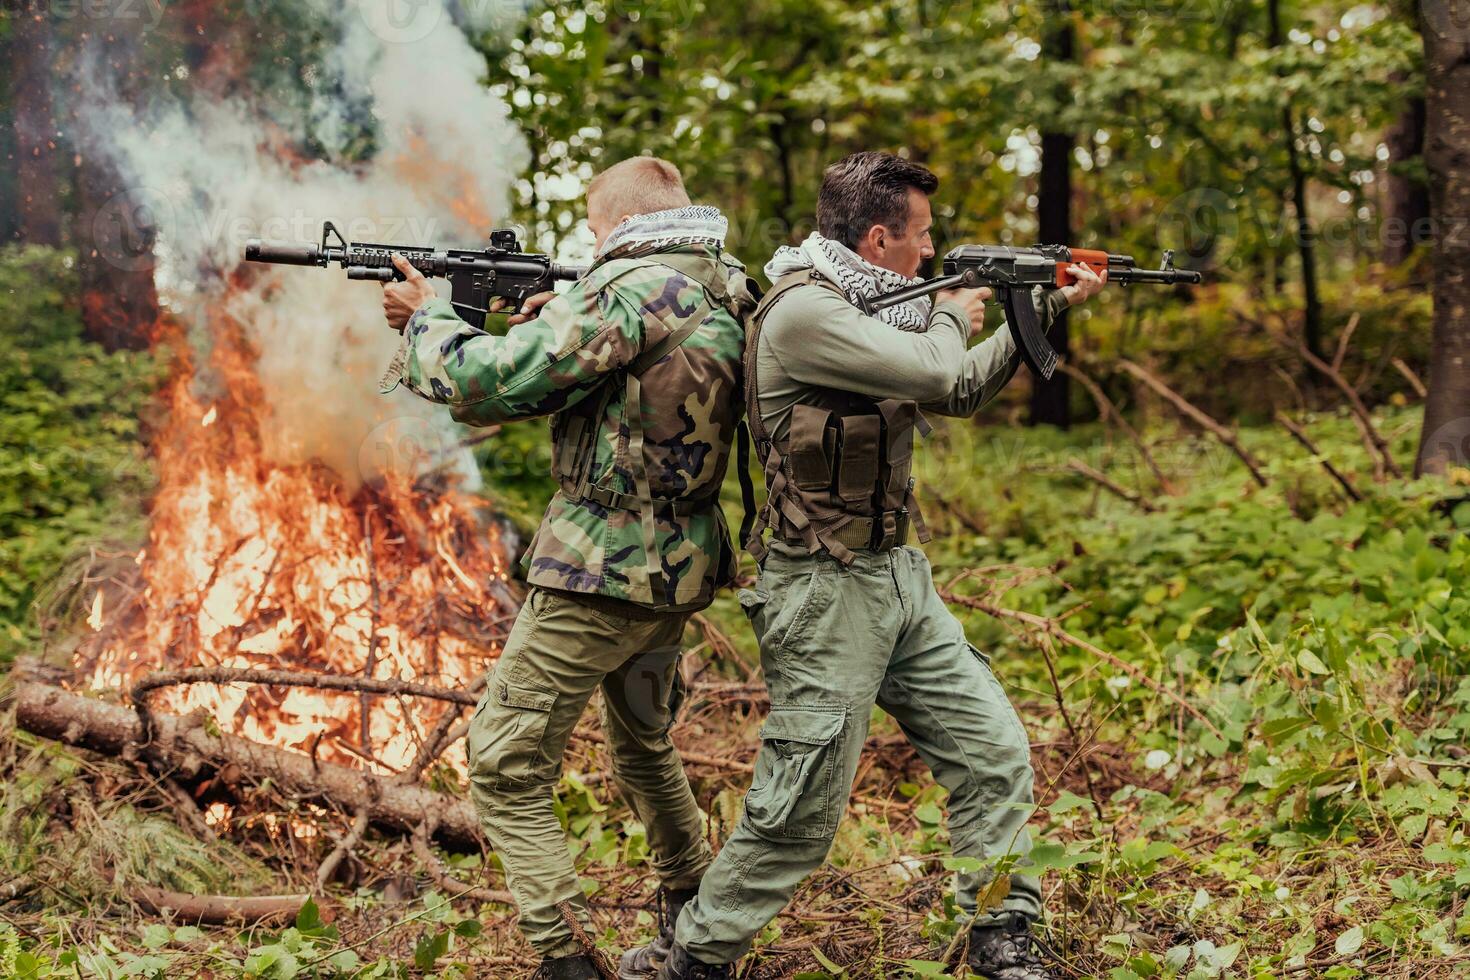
(638, 185)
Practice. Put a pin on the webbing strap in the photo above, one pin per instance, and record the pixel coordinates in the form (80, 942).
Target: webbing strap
(747, 485)
(634, 409)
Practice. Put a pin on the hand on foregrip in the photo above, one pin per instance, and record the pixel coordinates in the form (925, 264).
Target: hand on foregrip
(1088, 284)
(401, 299)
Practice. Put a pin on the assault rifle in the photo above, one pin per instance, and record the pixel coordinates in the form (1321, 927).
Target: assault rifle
(1012, 272)
(476, 276)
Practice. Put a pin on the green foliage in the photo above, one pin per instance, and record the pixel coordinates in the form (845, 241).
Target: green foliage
(72, 468)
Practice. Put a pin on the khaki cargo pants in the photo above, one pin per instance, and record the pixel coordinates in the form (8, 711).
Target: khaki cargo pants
(835, 641)
(559, 651)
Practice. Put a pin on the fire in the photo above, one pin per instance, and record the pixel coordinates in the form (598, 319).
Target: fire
(254, 564)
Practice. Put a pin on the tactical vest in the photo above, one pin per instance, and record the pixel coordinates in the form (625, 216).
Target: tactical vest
(575, 430)
(841, 478)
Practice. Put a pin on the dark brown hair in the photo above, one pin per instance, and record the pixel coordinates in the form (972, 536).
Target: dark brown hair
(867, 189)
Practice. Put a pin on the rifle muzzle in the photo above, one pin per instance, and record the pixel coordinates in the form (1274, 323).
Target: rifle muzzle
(283, 253)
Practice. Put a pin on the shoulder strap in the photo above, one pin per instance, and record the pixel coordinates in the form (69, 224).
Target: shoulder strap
(779, 288)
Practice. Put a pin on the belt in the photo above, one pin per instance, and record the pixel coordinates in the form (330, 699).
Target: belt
(889, 529)
(678, 506)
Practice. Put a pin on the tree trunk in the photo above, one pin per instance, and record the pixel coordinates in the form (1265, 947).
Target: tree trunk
(114, 237)
(1305, 237)
(1405, 222)
(1051, 400)
(1445, 441)
(37, 182)
(113, 228)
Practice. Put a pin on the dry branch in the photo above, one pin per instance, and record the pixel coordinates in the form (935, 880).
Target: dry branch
(215, 909)
(1376, 445)
(295, 678)
(1300, 435)
(183, 744)
(420, 840)
(1226, 436)
(1109, 412)
(344, 847)
(1410, 376)
(1077, 466)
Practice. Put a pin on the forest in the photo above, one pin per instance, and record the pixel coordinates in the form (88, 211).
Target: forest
(1218, 562)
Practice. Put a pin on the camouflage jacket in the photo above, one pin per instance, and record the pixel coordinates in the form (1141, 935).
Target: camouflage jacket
(572, 363)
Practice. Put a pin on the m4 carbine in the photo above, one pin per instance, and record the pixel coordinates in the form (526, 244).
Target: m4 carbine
(1012, 272)
(476, 276)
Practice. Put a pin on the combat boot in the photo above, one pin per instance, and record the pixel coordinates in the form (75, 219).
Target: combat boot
(578, 967)
(642, 962)
(1005, 951)
(679, 965)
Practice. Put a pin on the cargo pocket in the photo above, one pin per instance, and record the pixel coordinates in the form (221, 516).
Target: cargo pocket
(507, 733)
(795, 793)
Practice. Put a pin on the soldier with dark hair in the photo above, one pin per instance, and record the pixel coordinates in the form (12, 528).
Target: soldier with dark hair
(638, 365)
(845, 610)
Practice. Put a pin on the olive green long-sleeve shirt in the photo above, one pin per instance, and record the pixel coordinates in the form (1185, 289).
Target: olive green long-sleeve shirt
(813, 338)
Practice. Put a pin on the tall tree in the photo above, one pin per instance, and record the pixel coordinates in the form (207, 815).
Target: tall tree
(1051, 400)
(1405, 197)
(1446, 27)
(37, 177)
(1306, 241)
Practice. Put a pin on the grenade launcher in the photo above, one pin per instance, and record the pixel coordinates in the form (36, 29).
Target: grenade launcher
(1012, 272)
(476, 276)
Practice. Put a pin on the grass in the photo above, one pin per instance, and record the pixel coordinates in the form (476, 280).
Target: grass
(1319, 830)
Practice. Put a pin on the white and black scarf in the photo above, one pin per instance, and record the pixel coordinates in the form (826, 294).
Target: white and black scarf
(643, 234)
(859, 278)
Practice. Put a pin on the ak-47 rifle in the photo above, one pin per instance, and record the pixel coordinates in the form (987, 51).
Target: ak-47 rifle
(476, 276)
(1012, 272)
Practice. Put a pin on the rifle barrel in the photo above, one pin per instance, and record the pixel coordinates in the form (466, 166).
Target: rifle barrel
(1162, 276)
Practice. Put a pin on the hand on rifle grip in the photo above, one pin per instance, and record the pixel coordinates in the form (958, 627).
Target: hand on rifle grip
(973, 300)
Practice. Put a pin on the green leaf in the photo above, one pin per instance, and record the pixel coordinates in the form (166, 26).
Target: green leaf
(1067, 801)
(1311, 663)
(1349, 942)
(827, 964)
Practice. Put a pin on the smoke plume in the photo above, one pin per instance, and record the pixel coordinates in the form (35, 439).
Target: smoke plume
(210, 170)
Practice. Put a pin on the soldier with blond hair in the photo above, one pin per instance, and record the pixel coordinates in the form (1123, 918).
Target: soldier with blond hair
(638, 365)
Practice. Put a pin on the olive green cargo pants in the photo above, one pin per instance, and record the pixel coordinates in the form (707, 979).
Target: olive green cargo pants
(835, 641)
(559, 651)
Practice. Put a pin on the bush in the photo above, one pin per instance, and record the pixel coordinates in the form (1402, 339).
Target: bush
(72, 466)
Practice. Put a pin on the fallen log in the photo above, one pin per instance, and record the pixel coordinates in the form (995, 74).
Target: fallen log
(184, 745)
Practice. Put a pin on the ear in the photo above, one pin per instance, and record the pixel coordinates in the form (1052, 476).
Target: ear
(873, 244)
(624, 218)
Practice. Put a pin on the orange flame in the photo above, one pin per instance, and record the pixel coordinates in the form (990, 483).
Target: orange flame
(254, 564)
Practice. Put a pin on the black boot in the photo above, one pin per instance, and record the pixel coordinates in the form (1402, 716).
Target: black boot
(679, 965)
(1004, 952)
(642, 962)
(578, 967)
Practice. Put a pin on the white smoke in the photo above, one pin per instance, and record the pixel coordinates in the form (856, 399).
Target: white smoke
(214, 174)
